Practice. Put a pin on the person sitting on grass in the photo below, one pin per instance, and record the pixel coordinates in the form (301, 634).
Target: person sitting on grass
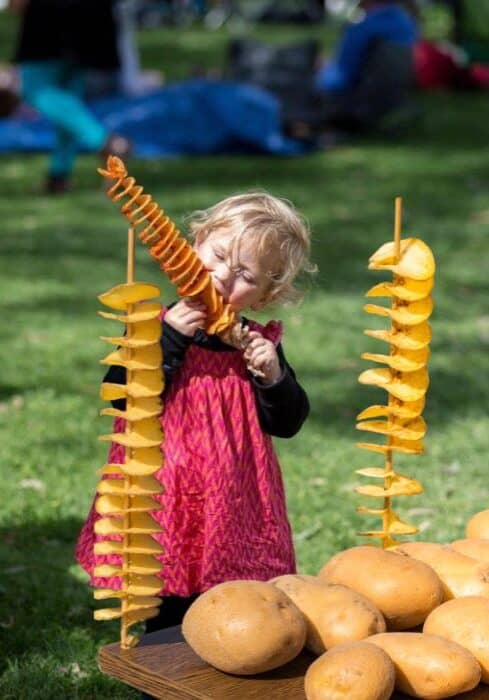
(372, 68)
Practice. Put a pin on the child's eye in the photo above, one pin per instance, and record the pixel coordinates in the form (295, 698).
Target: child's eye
(218, 254)
(245, 274)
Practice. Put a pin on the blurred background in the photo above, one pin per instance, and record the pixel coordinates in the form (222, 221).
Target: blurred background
(202, 100)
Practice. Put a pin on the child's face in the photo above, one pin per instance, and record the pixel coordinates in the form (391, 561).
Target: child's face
(238, 275)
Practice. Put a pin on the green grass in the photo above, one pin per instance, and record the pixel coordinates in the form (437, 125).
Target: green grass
(58, 254)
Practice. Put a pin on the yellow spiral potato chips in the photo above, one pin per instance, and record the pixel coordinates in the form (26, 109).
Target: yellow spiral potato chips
(406, 386)
(404, 378)
(403, 409)
(171, 251)
(126, 493)
(123, 295)
(409, 361)
(404, 313)
(415, 261)
(404, 337)
(403, 288)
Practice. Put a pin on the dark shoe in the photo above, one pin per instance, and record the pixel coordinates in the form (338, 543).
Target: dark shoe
(9, 91)
(9, 101)
(56, 184)
(116, 145)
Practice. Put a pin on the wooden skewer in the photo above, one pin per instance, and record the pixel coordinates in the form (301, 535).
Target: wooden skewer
(130, 255)
(128, 453)
(388, 467)
(397, 227)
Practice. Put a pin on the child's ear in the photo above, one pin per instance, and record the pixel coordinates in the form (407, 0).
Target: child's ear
(198, 240)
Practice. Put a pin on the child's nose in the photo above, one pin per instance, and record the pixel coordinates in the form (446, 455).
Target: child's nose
(223, 271)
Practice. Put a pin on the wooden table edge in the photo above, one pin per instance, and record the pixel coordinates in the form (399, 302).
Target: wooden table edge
(107, 666)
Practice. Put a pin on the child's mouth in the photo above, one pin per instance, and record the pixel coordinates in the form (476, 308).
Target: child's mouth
(219, 289)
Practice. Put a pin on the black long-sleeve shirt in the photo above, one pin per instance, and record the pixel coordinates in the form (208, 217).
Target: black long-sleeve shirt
(282, 407)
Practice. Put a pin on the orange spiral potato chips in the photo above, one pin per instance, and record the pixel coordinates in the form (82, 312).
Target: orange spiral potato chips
(405, 378)
(173, 253)
(125, 494)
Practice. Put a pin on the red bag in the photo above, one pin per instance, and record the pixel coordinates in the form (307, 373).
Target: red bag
(436, 67)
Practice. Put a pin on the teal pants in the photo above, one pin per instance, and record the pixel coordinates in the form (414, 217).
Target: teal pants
(56, 90)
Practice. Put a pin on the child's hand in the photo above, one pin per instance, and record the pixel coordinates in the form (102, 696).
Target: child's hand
(187, 316)
(261, 356)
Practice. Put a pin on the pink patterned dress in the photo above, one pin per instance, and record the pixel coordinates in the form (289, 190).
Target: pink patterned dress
(223, 510)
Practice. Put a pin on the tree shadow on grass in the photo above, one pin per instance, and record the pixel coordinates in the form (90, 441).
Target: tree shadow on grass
(39, 590)
(47, 632)
(455, 390)
(343, 194)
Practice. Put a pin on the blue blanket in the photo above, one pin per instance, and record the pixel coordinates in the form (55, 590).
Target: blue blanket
(191, 117)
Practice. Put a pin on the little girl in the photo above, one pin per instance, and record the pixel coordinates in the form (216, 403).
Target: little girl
(223, 510)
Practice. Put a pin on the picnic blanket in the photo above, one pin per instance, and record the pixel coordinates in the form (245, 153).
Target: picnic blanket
(198, 116)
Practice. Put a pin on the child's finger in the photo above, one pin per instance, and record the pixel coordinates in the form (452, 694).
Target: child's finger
(258, 348)
(260, 358)
(255, 371)
(251, 352)
(195, 317)
(193, 303)
(257, 343)
(251, 348)
(194, 310)
(253, 337)
(254, 334)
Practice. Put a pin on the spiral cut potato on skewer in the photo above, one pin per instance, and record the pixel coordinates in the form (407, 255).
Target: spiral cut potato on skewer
(173, 253)
(405, 378)
(125, 493)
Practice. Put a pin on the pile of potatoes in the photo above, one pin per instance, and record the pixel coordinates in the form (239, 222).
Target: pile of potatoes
(413, 620)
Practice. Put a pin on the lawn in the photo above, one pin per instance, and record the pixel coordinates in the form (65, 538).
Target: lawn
(57, 255)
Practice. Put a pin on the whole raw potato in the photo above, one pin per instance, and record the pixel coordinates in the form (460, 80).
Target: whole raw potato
(460, 575)
(351, 671)
(404, 590)
(428, 666)
(465, 621)
(244, 627)
(475, 548)
(478, 526)
(334, 613)
(479, 693)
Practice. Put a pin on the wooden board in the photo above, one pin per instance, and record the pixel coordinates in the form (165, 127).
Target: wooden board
(164, 666)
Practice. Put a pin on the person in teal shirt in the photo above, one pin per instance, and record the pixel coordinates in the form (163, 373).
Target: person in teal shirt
(58, 42)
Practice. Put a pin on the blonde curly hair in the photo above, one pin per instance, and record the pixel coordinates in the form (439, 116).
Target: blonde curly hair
(272, 226)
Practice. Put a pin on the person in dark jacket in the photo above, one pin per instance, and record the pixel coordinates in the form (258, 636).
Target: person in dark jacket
(58, 42)
(372, 70)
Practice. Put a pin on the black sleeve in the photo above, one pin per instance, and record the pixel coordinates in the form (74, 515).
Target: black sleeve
(116, 375)
(174, 346)
(282, 407)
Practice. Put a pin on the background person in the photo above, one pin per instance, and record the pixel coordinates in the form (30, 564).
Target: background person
(371, 71)
(59, 41)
